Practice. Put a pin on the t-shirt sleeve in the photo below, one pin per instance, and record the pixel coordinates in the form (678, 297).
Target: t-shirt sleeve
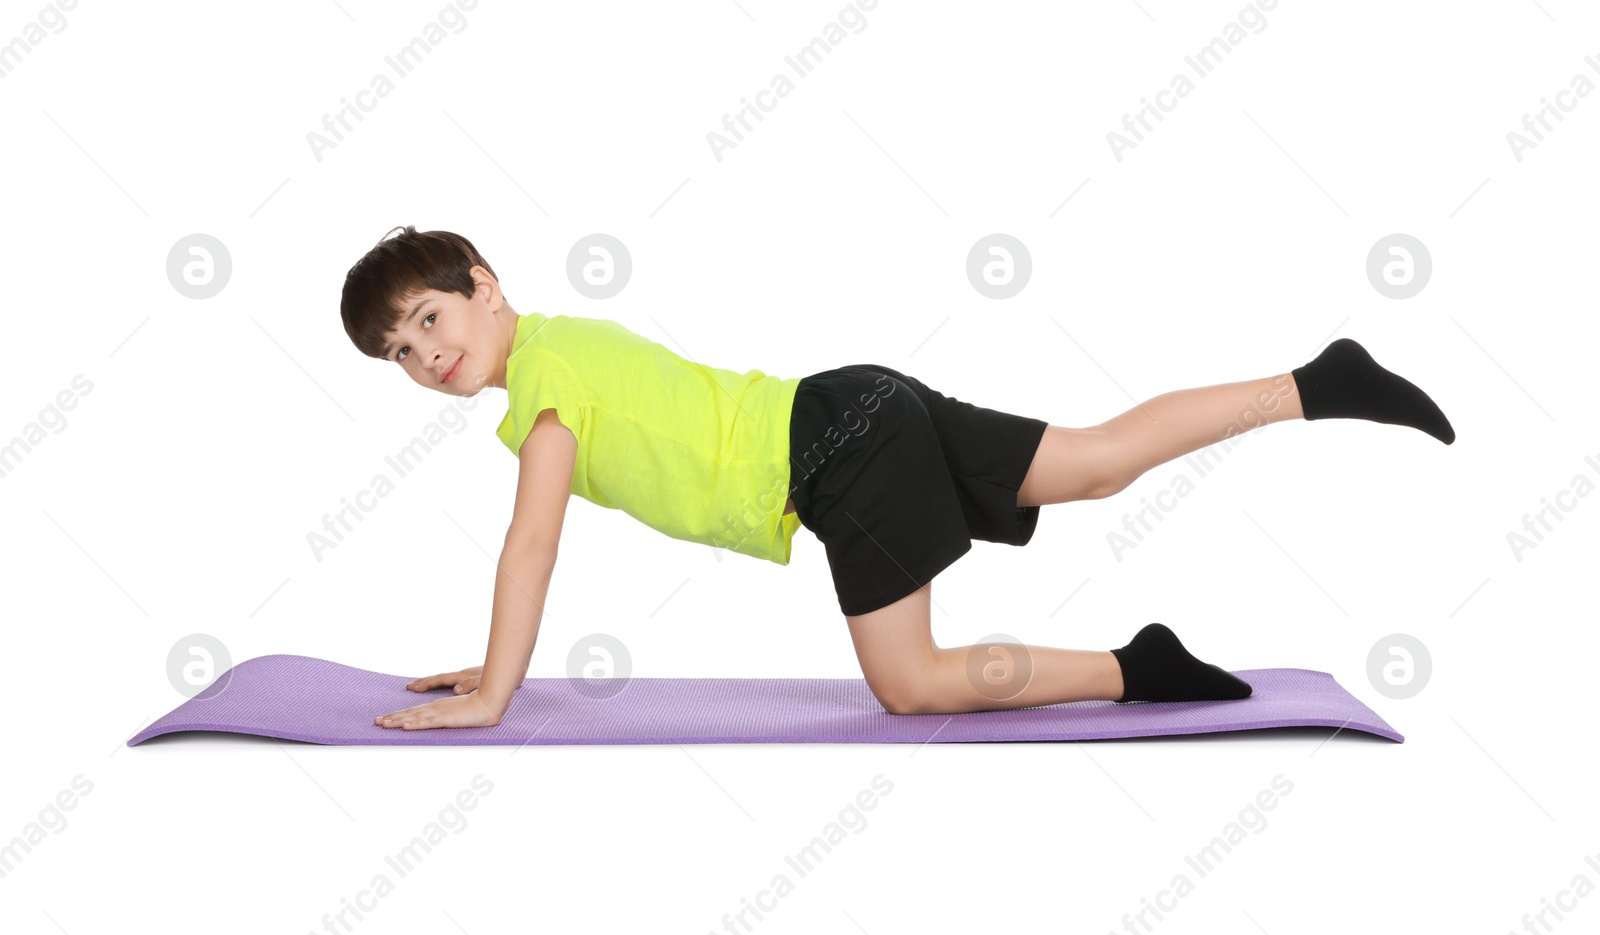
(540, 380)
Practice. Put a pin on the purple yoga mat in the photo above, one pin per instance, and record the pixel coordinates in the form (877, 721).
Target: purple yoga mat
(310, 699)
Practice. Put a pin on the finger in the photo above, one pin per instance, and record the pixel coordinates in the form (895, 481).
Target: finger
(431, 681)
(393, 717)
(470, 683)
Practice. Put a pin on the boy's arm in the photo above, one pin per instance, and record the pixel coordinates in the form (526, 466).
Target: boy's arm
(527, 560)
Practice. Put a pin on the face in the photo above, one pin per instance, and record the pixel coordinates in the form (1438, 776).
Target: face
(453, 343)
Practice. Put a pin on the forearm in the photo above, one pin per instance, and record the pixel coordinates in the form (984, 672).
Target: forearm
(521, 583)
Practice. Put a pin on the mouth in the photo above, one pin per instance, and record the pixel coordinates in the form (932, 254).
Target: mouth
(451, 373)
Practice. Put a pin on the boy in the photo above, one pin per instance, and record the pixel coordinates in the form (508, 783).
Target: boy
(895, 478)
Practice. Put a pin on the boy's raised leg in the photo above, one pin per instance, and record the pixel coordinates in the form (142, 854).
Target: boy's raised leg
(1096, 462)
(1342, 382)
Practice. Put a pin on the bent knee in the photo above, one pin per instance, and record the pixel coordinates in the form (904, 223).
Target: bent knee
(909, 696)
(903, 695)
(898, 705)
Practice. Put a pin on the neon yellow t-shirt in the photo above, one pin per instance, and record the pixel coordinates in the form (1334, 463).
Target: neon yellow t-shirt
(696, 452)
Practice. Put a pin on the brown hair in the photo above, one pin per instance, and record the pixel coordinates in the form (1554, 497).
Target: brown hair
(396, 268)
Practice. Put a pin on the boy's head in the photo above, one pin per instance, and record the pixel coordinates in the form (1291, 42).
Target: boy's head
(428, 301)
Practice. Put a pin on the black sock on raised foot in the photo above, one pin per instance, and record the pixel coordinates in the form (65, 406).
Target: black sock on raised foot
(1344, 382)
(1156, 667)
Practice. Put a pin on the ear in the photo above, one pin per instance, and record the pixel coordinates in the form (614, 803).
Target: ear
(483, 281)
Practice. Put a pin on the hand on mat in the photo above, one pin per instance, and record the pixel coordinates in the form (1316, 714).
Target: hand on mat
(460, 711)
(464, 681)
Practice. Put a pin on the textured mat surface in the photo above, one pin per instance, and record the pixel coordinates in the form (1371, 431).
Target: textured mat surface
(315, 700)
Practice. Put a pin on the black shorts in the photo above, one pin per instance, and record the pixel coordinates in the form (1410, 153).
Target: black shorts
(897, 479)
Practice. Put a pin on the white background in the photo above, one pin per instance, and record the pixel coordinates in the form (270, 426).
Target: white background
(1230, 244)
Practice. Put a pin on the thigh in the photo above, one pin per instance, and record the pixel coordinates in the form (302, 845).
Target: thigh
(1076, 464)
(895, 647)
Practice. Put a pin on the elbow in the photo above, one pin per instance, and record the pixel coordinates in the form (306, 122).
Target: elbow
(531, 547)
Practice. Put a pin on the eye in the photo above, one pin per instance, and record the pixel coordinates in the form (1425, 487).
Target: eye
(401, 354)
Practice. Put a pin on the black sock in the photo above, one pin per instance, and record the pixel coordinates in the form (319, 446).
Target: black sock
(1344, 382)
(1156, 667)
